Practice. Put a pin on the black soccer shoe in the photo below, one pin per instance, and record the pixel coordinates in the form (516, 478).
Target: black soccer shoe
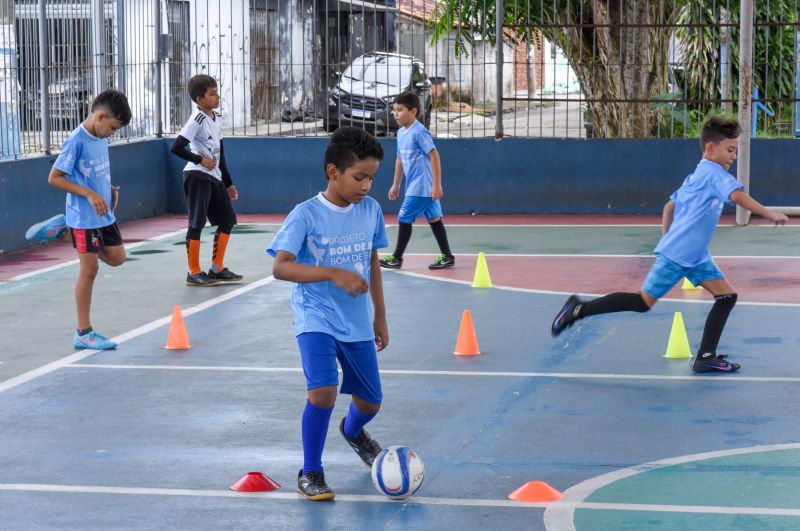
(443, 261)
(365, 446)
(390, 262)
(710, 362)
(200, 279)
(226, 275)
(567, 316)
(313, 486)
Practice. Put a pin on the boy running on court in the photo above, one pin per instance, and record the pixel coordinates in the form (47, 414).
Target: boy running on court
(690, 218)
(82, 170)
(207, 183)
(328, 246)
(418, 160)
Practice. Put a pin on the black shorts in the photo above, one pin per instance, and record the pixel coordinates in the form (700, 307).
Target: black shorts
(207, 198)
(96, 240)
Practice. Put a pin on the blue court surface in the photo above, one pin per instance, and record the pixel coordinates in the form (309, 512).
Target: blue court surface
(148, 438)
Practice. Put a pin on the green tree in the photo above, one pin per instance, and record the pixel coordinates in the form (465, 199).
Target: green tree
(773, 52)
(617, 63)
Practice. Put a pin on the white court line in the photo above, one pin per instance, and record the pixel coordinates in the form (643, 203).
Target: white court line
(149, 327)
(645, 255)
(489, 374)
(68, 263)
(415, 500)
(567, 293)
(559, 516)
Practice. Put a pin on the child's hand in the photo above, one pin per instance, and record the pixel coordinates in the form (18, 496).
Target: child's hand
(394, 192)
(114, 197)
(98, 203)
(778, 219)
(436, 192)
(351, 282)
(381, 333)
(208, 163)
(233, 193)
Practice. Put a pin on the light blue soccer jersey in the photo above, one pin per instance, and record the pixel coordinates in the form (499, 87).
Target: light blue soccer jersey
(413, 146)
(319, 233)
(698, 206)
(84, 161)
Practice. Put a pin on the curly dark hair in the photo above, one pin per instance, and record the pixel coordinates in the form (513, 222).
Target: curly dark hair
(409, 100)
(199, 84)
(349, 144)
(717, 128)
(116, 103)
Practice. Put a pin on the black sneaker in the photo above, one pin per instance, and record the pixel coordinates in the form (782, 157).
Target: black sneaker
(390, 262)
(443, 261)
(365, 446)
(313, 486)
(710, 362)
(200, 279)
(567, 315)
(226, 275)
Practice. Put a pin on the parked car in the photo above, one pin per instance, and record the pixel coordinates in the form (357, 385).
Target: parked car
(363, 94)
(70, 100)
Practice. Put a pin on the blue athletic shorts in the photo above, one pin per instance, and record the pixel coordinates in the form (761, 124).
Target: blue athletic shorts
(665, 273)
(415, 206)
(359, 361)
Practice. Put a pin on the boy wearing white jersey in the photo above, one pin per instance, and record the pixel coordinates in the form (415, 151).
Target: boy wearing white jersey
(207, 183)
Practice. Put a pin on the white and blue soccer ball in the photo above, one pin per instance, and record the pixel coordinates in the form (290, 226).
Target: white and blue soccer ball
(397, 472)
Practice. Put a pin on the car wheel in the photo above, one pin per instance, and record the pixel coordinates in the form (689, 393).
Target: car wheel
(329, 126)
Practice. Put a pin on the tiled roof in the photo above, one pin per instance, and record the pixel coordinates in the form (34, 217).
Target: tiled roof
(420, 9)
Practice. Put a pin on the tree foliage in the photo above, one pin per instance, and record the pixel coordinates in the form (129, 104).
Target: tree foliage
(618, 49)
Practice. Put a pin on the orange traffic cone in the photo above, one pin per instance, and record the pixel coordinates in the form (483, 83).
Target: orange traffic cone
(467, 343)
(177, 339)
(535, 491)
(255, 482)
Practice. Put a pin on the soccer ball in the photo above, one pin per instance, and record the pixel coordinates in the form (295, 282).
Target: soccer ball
(397, 472)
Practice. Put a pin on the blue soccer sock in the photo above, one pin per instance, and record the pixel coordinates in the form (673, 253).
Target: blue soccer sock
(354, 421)
(315, 429)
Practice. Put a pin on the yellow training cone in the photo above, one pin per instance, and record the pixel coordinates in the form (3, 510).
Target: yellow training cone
(678, 346)
(687, 284)
(481, 278)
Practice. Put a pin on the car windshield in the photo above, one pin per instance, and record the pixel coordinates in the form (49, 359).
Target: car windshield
(382, 70)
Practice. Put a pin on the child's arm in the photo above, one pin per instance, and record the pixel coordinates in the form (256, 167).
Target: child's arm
(286, 267)
(394, 191)
(744, 200)
(179, 149)
(233, 193)
(436, 166)
(58, 179)
(376, 291)
(666, 216)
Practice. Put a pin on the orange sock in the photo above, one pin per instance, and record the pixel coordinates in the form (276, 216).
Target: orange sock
(193, 252)
(220, 244)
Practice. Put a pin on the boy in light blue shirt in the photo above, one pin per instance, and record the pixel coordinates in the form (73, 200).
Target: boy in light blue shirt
(82, 170)
(690, 218)
(328, 246)
(418, 160)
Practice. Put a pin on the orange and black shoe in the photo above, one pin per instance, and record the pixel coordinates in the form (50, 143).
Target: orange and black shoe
(200, 280)
(710, 362)
(226, 275)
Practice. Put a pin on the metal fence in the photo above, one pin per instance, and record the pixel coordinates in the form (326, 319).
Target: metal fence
(563, 68)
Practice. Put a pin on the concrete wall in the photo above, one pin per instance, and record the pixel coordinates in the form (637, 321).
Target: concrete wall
(514, 176)
(26, 198)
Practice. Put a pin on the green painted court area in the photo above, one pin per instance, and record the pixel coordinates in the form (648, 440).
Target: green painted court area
(758, 240)
(754, 482)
